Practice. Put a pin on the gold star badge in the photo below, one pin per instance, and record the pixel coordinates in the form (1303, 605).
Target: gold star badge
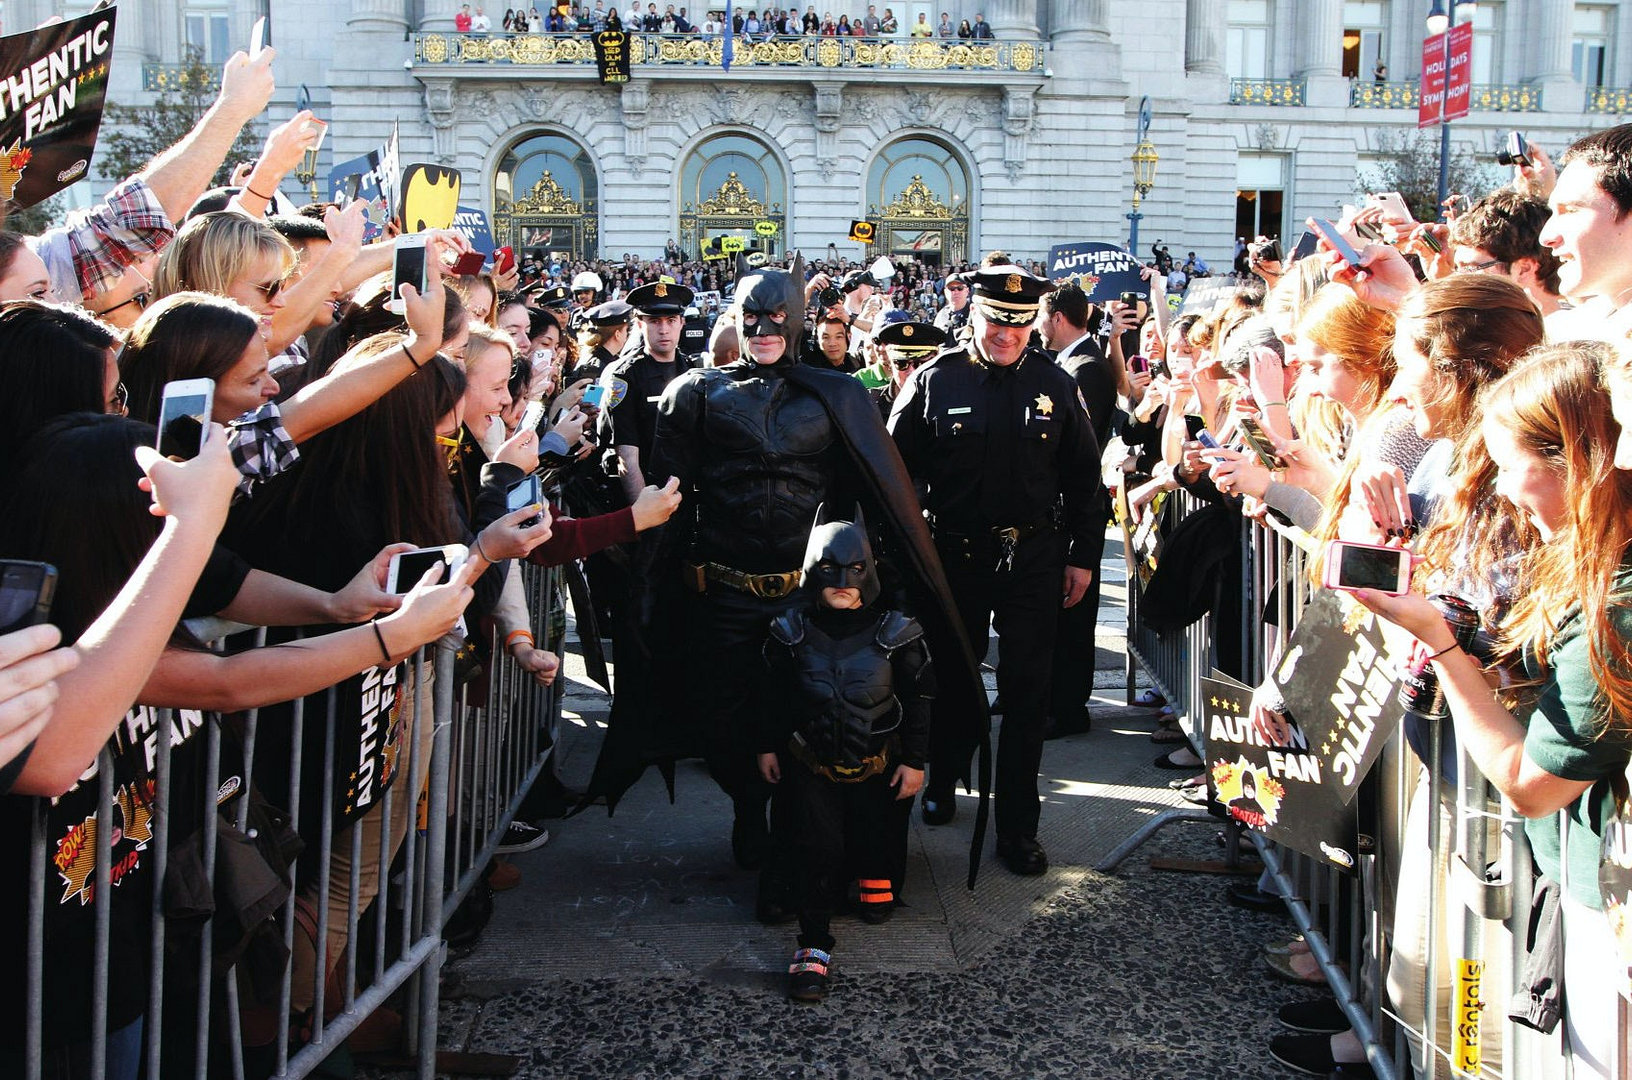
(1012, 283)
(1045, 405)
(660, 290)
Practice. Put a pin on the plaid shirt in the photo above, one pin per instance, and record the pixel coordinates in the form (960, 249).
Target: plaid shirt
(261, 447)
(89, 254)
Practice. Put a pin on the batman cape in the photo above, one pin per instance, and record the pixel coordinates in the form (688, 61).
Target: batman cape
(644, 728)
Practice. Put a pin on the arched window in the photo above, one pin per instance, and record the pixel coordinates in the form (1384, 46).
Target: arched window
(918, 199)
(732, 191)
(545, 197)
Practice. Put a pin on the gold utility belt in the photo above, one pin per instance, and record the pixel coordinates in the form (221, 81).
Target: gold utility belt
(843, 774)
(764, 586)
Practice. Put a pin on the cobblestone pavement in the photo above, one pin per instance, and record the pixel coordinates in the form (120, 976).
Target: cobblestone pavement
(630, 948)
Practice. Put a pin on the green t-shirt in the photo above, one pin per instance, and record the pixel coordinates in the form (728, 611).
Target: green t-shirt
(1567, 738)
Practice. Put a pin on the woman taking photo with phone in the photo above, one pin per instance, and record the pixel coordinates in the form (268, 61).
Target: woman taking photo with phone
(1551, 437)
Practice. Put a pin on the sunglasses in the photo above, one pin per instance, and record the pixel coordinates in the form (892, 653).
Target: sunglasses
(271, 289)
(139, 299)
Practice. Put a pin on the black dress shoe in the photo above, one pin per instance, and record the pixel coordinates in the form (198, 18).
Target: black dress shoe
(1023, 855)
(939, 807)
(1251, 897)
(1071, 723)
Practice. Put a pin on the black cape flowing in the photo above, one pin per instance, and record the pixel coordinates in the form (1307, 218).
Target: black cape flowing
(641, 730)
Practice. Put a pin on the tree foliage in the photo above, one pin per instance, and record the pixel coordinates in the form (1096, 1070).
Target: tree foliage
(133, 135)
(1408, 162)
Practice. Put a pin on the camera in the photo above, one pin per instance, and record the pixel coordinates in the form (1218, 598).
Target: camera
(1264, 251)
(829, 297)
(1513, 152)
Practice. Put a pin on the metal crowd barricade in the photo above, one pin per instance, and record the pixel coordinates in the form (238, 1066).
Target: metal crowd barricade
(482, 759)
(1481, 893)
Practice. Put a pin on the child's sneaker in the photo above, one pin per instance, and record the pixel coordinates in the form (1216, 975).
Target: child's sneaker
(807, 975)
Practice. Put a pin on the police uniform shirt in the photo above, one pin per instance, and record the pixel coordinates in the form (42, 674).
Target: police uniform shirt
(636, 382)
(998, 447)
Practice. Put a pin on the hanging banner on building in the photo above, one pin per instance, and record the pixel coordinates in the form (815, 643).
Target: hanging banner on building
(471, 223)
(862, 232)
(612, 56)
(1339, 676)
(373, 177)
(1282, 791)
(54, 82)
(430, 197)
(1103, 271)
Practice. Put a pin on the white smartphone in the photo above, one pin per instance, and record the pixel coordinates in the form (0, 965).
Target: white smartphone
(1394, 208)
(408, 567)
(1352, 566)
(525, 492)
(257, 38)
(407, 268)
(319, 127)
(184, 415)
(531, 416)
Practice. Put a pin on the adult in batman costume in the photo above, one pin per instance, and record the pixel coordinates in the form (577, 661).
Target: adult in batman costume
(758, 446)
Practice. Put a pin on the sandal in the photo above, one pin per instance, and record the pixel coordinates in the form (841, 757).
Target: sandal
(1149, 699)
(1165, 734)
(1171, 760)
(807, 975)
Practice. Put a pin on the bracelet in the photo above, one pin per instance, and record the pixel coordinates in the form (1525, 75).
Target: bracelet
(1270, 404)
(1452, 647)
(379, 635)
(257, 194)
(514, 635)
(479, 550)
(410, 355)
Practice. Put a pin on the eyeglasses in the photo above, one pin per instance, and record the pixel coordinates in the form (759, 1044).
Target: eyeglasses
(1479, 267)
(120, 402)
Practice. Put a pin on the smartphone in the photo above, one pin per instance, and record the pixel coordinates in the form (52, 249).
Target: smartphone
(1158, 369)
(1367, 566)
(525, 492)
(257, 38)
(25, 593)
(407, 567)
(1258, 442)
(1305, 245)
(1205, 438)
(318, 127)
(184, 414)
(504, 260)
(1334, 236)
(595, 397)
(1131, 299)
(469, 264)
(531, 417)
(407, 268)
(1394, 208)
(1137, 363)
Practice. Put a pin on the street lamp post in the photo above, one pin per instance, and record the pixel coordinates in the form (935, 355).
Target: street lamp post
(1144, 175)
(1438, 23)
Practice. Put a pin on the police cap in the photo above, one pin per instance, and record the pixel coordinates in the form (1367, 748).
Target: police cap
(911, 341)
(1007, 294)
(611, 313)
(660, 298)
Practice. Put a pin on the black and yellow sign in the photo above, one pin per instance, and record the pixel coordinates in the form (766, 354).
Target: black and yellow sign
(430, 197)
(730, 245)
(612, 56)
(764, 228)
(862, 232)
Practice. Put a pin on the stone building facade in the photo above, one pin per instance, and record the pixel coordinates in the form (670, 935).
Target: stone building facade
(1262, 112)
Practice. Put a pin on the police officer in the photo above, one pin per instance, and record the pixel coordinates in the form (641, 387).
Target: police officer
(555, 299)
(906, 344)
(637, 378)
(603, 331)
(587, 289)
(997, 437)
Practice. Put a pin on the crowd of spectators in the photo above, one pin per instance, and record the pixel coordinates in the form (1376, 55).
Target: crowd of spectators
(763, 24)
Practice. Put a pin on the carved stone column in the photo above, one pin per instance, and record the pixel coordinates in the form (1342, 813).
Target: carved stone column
(1079, 22)
(382, 15)
(636, 96)
(1204, 37)
(1551, 56)
(1013, 18)
(829, 96)
(439, 15)
(1320, 44)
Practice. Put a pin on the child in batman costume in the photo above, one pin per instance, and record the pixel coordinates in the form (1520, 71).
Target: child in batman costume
(848, 755)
